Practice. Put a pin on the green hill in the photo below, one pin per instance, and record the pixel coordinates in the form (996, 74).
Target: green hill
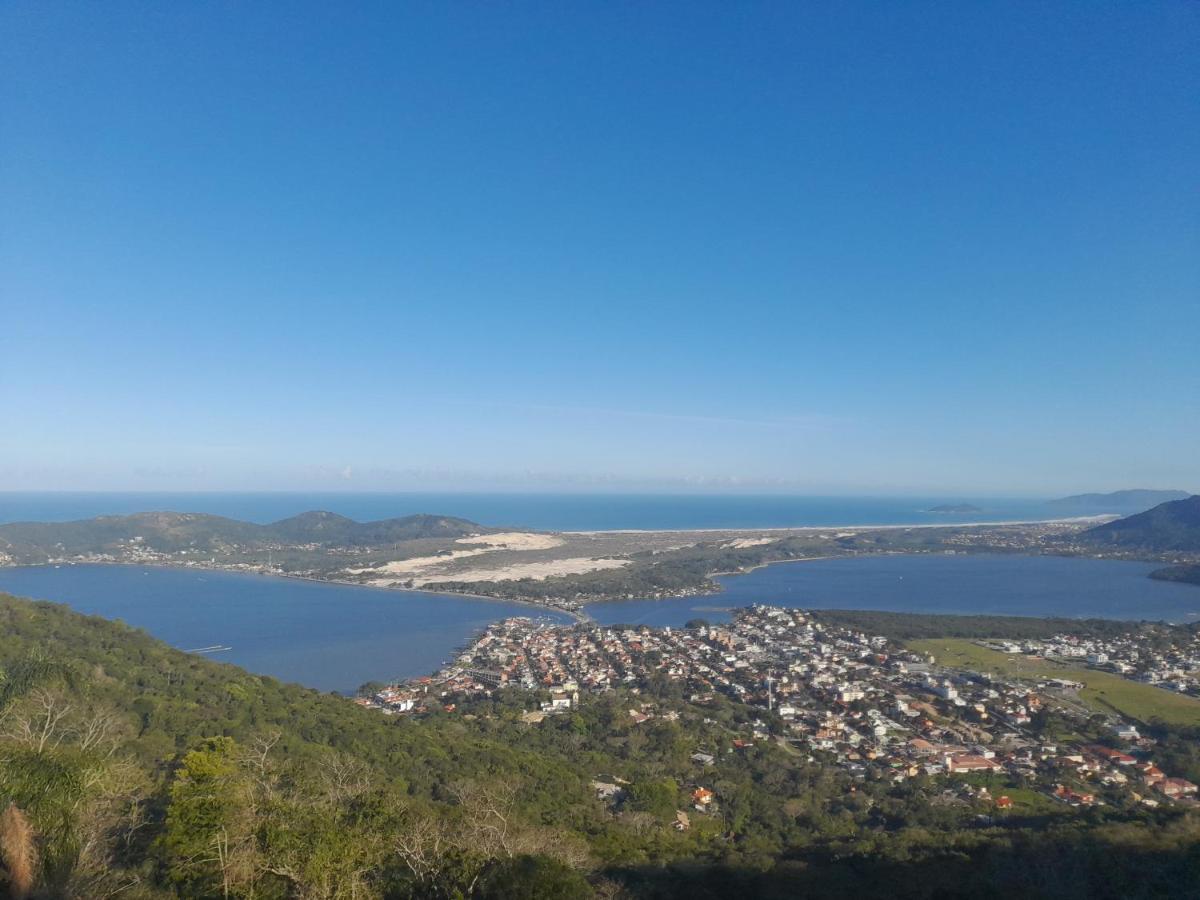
(331, 529)
(1182, 574)
(1173, 526)
(172, 532)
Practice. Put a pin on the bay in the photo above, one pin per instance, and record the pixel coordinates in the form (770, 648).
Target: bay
(336, 637)
(977, 584)
(327, 636)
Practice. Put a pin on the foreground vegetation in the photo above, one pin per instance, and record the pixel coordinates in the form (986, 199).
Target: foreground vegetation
(130, 769)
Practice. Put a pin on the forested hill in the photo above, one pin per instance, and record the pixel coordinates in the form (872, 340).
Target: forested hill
(1172, 526)
(143, 771)
(132, 770)
(173, 532)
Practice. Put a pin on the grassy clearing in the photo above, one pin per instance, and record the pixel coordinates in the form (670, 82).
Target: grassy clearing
(1103, 691)
(1025, 800)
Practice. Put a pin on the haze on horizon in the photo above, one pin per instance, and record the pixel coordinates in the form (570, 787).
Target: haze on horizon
(944, 248)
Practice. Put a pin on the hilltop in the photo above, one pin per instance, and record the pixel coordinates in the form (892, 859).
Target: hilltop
(199, 533)
(1168, 527)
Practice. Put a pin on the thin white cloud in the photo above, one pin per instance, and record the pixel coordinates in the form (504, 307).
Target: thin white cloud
(806, 421)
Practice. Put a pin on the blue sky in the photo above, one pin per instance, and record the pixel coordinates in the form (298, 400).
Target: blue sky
(798, 247)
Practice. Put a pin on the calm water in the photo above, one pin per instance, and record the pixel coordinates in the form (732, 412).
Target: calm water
(332, 637)
(335, 637)
(553, 512)
(980, 585)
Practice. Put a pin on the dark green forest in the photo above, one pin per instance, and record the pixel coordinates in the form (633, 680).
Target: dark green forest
(1189, 574)
(129, 769)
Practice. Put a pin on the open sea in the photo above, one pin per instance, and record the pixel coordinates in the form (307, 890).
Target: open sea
(551, 512)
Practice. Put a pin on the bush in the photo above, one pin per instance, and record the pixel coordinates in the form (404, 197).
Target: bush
(532, 877)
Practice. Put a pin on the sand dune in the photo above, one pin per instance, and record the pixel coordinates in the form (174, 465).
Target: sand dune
(514, 540)
(425, 569)
(538, 571)
(742, 543)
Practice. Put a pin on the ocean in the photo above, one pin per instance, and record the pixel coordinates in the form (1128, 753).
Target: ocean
(551, 512)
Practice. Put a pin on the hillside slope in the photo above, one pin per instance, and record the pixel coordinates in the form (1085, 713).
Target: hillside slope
(133, 770)
(172, 532)
(1172, 526)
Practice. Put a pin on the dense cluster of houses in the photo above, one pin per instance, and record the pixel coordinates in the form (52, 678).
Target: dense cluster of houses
(1169, 660)
(856, 701)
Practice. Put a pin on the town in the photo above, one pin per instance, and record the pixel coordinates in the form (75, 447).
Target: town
(861, 703)
(1173, 665)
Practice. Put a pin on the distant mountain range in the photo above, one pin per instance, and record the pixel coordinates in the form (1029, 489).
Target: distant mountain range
(1131, 501)
(1173, 526)
(172, 532)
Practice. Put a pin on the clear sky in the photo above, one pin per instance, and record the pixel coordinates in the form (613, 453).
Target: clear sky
(809, 247)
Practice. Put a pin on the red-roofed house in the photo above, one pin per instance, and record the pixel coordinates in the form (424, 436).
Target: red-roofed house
(1151, 773)
(1176, 787)
(1065, 793)
(969, 762)
(1116, 757)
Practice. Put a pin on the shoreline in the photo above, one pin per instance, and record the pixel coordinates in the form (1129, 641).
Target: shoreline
(775, 562)
(581, 616)
(1072, 520)
(578, 615)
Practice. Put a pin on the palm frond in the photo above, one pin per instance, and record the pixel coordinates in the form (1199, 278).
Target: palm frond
(18, 852)
(35, 669)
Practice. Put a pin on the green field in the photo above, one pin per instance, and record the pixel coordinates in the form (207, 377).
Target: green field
(1026, 800)
(1103, 691)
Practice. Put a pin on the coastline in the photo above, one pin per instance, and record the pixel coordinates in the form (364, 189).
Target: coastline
(577, 612)
(774, 562)
(579, 616)
(774, 529)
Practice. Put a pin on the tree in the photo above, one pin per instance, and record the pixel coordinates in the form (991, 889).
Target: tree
(32, 781)
(210, 829)
(35, 669)
(659, 798)
(532, 877)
